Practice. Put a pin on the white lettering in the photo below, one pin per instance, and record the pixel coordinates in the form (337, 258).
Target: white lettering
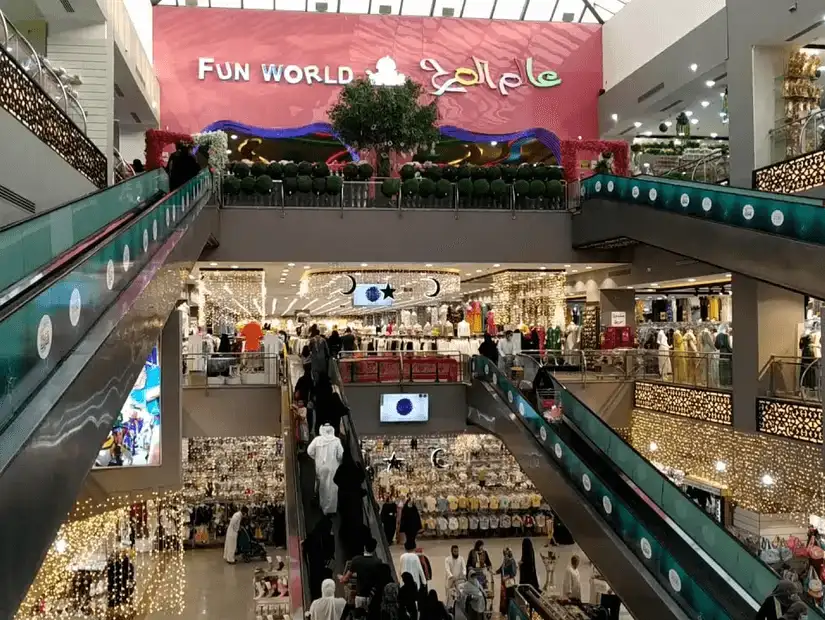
(204, 67)
(272, 72)
(241, 72)
(508, 80)
(293, 74)
(345, 75)
(312, 72)
(328, 79)
(226, 74)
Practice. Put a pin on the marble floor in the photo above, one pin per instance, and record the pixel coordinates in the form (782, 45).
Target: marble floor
(218, 590)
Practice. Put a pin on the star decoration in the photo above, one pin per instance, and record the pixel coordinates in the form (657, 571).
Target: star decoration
(389, 292)
(393, 462)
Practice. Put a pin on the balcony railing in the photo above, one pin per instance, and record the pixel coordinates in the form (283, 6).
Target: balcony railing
(798, 155)
(403, 367)
(32, 92)
(231, 369)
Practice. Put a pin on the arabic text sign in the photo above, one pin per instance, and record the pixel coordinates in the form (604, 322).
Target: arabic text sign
(465, 76)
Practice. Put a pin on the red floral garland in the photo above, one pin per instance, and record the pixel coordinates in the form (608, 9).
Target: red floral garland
(156, 141)
(570, 150)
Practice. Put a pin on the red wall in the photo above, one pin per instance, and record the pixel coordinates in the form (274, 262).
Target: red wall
(182, 35)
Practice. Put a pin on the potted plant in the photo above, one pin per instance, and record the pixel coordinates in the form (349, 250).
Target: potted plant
(682, 124)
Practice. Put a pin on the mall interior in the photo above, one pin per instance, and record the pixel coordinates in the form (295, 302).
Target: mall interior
(533, 278)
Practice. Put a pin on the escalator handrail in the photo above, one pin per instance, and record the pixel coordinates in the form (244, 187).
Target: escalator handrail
(371, 510)
(295, 519)
(755, 564)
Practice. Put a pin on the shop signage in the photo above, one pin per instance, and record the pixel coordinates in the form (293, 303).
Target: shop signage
(290, 74)
(466, 76)
(618, 319)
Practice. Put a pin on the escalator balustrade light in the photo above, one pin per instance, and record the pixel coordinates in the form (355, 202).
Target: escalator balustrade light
(721, 466)
(767, 480)
(653, 446)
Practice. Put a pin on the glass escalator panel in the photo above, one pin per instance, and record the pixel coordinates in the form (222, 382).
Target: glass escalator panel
(652, 552)
(793, 217)
(38, 330)
(29, 245)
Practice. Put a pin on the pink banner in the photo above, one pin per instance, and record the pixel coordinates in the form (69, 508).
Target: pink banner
(284, 69)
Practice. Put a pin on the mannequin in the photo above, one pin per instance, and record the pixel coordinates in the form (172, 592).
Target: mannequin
(665, 369)
(463, 329)
(725, 348)
(679, 358)
(571, 339)
(708, 367)
(692, 347)
(326, 450)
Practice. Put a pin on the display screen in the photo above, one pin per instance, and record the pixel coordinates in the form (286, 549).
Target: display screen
(134, 440)
(405, 407)
(372, 295)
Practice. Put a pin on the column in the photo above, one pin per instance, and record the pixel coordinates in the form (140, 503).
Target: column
(132, 143)
(88, 51)
(171, 400)
(618, 300)
(765, 321)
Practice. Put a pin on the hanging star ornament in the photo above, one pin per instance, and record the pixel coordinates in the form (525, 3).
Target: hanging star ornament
(393, 462)
(389, 291)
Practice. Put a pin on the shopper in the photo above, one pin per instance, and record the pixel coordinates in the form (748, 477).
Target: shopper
(389, 516)
(320, 550)
(138, 166)
(350, 479)
(327, 452)
(328, 607)
(230, 545)
(471, 603)
(348, 340)
(408, 595)
(479, 559)
(505, 352)
(797, 611)
(779, 601)
(382, 579)
(390, 605)
(410, 563)
(507, 570)
(365, 569)
(329, 408)
(489, 349)
(527, 565)
(455, 570)
(571, 588)
(433, 609)
(410, 521)
(181, 166)
(334, 342)
(318, 353)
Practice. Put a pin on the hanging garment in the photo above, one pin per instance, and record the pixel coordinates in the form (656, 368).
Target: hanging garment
(326, 450)
(692, 349)
(665, 368)
(679, 358)
(708, 368)
(230, 545)
(723, 345)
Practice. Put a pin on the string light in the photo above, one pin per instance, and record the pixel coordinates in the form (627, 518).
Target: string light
(529, 297)
(230, 297)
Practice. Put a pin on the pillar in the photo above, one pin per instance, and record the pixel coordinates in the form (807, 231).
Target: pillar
(765, 321)
(618, 300)
(132, 142)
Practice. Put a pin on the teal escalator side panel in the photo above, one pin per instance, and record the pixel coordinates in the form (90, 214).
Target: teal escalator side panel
(792, 217)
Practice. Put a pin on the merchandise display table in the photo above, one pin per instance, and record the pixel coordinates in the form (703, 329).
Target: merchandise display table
(396, 369)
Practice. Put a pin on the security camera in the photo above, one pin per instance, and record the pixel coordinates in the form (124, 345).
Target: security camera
(793, 8)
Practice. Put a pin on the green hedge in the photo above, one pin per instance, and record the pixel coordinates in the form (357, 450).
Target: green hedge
(334, 184)
(258, 169)
(390, 187)
(263, 184)
(248, 185)
(410, 187)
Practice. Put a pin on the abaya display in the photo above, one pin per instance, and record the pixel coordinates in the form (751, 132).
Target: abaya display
(327, 452)
(410, 521)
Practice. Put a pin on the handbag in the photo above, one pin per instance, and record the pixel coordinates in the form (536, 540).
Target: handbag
(814, 584)
(815, 552)
(767, 552)
(785, 554)
(510, 582)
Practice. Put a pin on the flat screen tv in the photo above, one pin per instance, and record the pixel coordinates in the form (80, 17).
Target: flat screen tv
(405, 407)
(371, 295)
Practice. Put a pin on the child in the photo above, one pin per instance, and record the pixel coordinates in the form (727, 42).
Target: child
(301, 426)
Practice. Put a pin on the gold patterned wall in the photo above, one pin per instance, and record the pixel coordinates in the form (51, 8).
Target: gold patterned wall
(789, 419)
(706, 405)
(795, 175)
(738, 460)
(529, 297)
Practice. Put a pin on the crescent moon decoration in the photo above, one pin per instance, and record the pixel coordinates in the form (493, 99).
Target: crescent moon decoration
(352, 288)
(437, 288)
(437, 460)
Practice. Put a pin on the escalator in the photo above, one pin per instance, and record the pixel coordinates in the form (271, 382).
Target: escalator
(73, 343)
(775, 238)
(661, 553)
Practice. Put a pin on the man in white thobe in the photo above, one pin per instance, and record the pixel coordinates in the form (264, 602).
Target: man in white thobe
(326, 450)
(230, 545)
(455, 571)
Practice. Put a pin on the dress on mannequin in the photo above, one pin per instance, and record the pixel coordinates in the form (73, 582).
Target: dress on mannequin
(665, 368)
(571, 338)
(723, 345)
(679, 358)
(692, 348)
(708, 367)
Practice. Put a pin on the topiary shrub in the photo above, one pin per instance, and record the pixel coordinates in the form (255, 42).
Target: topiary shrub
(365, 171)
(290, 170)
(291, 185)
(426, 187)
(258, 169)
(248, 185)
(410, 187)
(498, 188)
(540, 172)
(320, 170)
(407, 172)
(450, 173)
(433, 173)
(494, 172)
(241, 170)
(305, 168)
(522, 187)
(464, 172)
(319, 185)
(263, 184)
(230, 167)
(478, 172)
(390, 187)
(304, 183)
(351, 171)
(509, 173)
(554, 189)
(481, 187)
(465, 187)
(334, 184)
(524, 172)
(443, 188)
(231, 186)
(537, 189)
(275, 170)
(555, 173)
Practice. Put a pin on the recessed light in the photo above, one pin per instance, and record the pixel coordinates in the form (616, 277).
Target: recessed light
(542, 268)
(229, 151)
(213, 264)
(694, 121)
(722, 114)
(575, 271)
(364, 265)
(630, 288)
(654, 284)
(714, 135)
(710, 83)
(307, 266)
(493, 143)
(234, 137)
(567, 266)
(293, 285)
(468, 274)
(705, 104)
(691, 279)
(727, 275)
(497, 265)
(688, 113)
(428, 265)
(648, 133)
(234, 266)
(615, 117)
(668, 123)
(722, 94)
(588, 267)
(478, 270)
(637, 124)
(580, 137)
(694, 67)
(291, 264)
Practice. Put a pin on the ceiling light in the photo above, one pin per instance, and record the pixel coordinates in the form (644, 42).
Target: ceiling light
(653, 446)
(306, 266)
(364, 265)
(468, 274)
(705, 104)
(721, 466)
(542, 268)
(694, 121)
(722, 114)
(630, 287)
(654, 284)
(668, 123)
(714, 135)
(493, 143)
(214, 264)
(234, 137)
(497, 265)
(567, 266)
(229, 151)
(478, 270)
(648, 133)
(234, 266)
(727, 275)
(293, 285)
(710, 83)
(637, 124)
(428, 265)
(688, 113)
(694, 67)
(767, 480)
(722, 94)
(575, 271)
(191, 277)
(291, 264)
(691, 279)
(580, 137)
(588, 267)
(615, 117)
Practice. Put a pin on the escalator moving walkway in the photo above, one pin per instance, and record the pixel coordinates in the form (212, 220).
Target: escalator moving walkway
(72, 347)
(678, 551)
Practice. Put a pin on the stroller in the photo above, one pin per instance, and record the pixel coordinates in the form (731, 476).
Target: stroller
(249, 548)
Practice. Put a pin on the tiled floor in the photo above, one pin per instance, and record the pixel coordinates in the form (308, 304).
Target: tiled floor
(217, 590)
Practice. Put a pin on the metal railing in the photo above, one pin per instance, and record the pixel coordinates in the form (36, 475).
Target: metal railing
(711, 168)
(368, 195)
(403, 367)
(793, 378)
(798, 137)
(231, 369)
(40, 71)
